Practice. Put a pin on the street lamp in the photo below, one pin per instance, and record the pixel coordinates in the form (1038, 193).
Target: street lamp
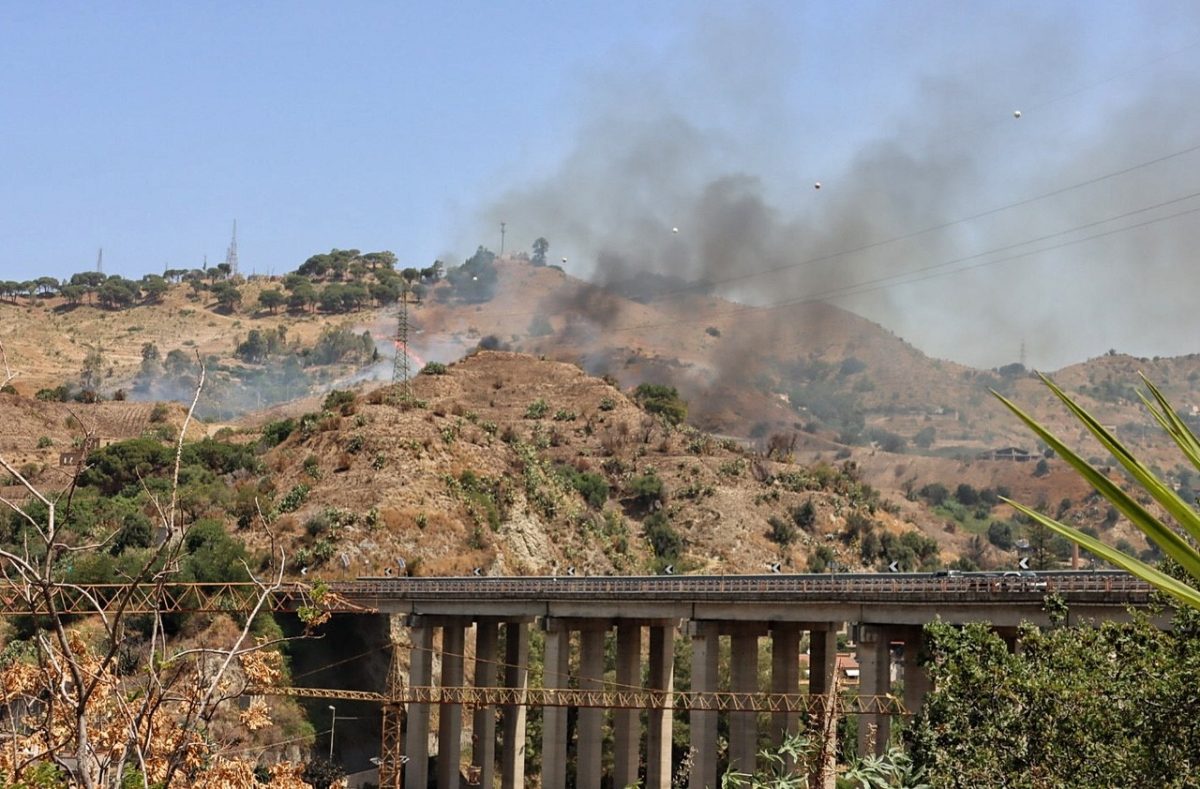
(332, 726)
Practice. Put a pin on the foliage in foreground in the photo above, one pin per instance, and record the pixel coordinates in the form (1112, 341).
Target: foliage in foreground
(1179, 547)
(796, 763)
(1113, 705)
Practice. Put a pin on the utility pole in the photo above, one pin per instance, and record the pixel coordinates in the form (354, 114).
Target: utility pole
(502, 226)
(100, 261)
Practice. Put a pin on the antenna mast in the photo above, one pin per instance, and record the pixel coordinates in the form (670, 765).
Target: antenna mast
(502, 225)
(231, 256)
(100, 260)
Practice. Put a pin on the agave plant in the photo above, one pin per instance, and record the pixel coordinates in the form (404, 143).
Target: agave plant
(1172, 542)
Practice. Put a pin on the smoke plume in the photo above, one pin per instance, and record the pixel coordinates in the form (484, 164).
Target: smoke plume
(725, 137)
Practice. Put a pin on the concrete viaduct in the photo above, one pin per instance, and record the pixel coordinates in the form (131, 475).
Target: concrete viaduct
(650, 615)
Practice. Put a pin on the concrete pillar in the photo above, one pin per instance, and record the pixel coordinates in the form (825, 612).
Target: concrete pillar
(554, 719)
(916, 681)
(420, 674)
(822, 659)
(627, 725)
(743, 678)
(874, 665)
(590, 743)
(449, 761)
(483, 725)
(785, 677)
(706, 646)
(516, 675)
(822, 676)
(659, 721)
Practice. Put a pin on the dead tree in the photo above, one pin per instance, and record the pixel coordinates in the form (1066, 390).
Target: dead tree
(68, 700)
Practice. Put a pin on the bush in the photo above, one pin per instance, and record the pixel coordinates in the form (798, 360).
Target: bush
(434, 368)
(338, 399)
(664, 540)
(44, 442)
(821, 559)
(537, 409)
(805, 516)
(275, 433)
(966, 495)
(646, 489)
(662, 400)
(293, 499)
(782, 531)
(934, 493)
(1000, 534)
(593, 487)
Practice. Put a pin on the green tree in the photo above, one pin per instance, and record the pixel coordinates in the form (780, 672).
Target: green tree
(93, 370)
(227, 294)
(271, 300)
(154, 288)
(540, 247)
(1112, 705)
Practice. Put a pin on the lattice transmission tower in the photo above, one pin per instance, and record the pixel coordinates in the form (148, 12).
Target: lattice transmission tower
(401, 374)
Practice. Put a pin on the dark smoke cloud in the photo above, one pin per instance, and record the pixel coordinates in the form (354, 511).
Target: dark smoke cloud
(714, 140)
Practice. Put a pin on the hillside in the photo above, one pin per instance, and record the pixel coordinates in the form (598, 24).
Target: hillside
(831, 386)
(492, 472)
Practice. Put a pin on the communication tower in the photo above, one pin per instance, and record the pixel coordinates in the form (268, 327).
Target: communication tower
(100, 261)
(231, 256)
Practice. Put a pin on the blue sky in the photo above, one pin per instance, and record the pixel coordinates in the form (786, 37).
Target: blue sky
(146, 128)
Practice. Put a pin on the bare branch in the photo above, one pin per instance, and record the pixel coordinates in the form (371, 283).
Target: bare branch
(9, 375)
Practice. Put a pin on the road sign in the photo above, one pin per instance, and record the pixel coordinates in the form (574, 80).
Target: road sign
(1024, 563)
(893, 568)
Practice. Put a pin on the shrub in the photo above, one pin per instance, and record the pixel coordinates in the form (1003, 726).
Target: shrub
(1000, 534)
(293, 499)
(821, 559)
(355, 444)
(338, 399)
(934, 493)
(646, 489)
(44, 441)
(607, 404)
(159, 413)
(312, 466)
(805, 516)
(434, 368)
(537, 409)
(782, 532)
(275, 433)
(662, 400)
(664, 540)
(593, 487)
